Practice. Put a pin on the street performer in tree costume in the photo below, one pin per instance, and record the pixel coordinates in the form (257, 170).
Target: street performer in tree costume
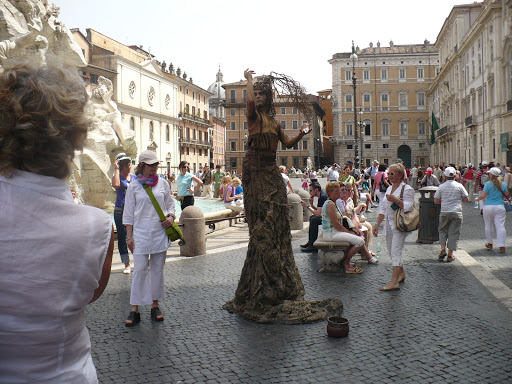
(270, 287)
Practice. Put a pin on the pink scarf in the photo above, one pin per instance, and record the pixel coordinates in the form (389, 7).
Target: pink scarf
(151, 180)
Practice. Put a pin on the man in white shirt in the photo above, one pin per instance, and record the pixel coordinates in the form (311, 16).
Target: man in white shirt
(450, 195)
(414, 177)
(333, 173)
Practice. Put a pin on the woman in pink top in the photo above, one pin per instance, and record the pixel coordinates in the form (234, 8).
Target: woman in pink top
(380, 189)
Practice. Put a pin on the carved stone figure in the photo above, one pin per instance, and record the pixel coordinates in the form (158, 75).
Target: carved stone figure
(107, 136)
(32, 27)
(29, 26)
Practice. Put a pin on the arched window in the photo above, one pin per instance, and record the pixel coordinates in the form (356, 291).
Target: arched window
(151, 131)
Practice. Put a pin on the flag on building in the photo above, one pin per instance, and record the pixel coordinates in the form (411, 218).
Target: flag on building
(433, 128)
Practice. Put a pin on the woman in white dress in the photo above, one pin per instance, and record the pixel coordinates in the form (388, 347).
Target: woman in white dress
(146, 236)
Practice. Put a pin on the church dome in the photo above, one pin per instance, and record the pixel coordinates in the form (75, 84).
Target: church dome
(216, 88)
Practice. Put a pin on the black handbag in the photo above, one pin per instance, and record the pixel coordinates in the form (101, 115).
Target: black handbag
(382, 186)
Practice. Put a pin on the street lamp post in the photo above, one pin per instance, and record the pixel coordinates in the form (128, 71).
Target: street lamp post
(353, 56)
(362, 126)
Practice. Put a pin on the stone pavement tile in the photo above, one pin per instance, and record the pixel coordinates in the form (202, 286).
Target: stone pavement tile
(441, 321)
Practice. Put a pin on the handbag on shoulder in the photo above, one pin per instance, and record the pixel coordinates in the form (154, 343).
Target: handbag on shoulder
(407, 221)
(173, 232)
(508, 203)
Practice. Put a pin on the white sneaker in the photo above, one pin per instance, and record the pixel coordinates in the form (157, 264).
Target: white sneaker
(127, 270)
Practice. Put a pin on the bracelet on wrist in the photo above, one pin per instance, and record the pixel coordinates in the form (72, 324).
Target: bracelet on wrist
(129, 238)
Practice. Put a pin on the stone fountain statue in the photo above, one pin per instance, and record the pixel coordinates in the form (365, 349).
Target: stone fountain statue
(107, 136)
(32, 28)
(309, 164)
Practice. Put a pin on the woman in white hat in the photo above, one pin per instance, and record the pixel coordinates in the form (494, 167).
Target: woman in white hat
(494, 208)
(146, 236)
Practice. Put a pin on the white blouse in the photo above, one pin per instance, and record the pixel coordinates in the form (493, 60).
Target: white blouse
(148, 234)
(51, 258)
(389, 213)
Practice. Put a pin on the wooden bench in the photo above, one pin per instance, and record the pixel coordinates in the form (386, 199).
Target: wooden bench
(331, 253)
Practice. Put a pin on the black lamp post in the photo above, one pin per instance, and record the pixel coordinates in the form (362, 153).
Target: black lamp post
(353, 56)
(362, 126)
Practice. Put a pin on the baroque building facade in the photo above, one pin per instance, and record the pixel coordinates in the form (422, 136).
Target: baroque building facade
(310, 146)
(391, 103)
(152, 99)
(218, 118)
(471, 97)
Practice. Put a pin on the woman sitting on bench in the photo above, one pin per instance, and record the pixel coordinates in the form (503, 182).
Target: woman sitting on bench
(335, 231)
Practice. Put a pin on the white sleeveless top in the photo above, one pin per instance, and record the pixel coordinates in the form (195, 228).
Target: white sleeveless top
(51, 257)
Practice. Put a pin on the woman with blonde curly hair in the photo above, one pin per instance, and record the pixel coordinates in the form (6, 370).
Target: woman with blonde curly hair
(395, 239)
(43, 337)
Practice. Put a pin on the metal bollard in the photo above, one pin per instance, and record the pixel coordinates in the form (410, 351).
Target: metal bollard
(193, 230)
(296, 215)
(304, 196)
(428, 232)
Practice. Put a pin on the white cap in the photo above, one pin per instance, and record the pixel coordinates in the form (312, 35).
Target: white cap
(376, 161)
(122, 156)
(450, 172)
(148, 157)
(484, 163)
(470, 165)
(495, 171)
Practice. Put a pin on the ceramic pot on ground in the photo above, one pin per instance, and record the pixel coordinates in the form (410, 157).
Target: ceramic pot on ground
(337, 326)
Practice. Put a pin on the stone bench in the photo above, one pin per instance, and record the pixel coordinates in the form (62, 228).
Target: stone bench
(331, 253)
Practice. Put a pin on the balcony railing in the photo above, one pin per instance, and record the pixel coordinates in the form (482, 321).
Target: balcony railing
(341, 139)
(204, 143)
(445, 130)
(196, 119)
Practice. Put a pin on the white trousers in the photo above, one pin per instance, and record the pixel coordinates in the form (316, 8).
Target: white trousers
(381, 196)
(350, 238)
(148, 285)
(495, 214)
(207, 190)
(395, 241)
(470, 187)
(236, 206)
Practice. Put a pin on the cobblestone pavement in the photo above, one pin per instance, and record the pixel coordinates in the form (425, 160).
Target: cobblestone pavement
(442, 326)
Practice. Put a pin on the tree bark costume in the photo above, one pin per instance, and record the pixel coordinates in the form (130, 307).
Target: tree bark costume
(270, 287)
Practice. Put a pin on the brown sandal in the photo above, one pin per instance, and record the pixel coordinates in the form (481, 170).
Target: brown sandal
(488, 245)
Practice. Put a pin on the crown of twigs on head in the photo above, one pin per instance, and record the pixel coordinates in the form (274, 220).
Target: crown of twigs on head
(288, 88)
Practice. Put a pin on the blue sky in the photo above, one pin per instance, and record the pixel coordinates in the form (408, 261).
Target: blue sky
(292, 37)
